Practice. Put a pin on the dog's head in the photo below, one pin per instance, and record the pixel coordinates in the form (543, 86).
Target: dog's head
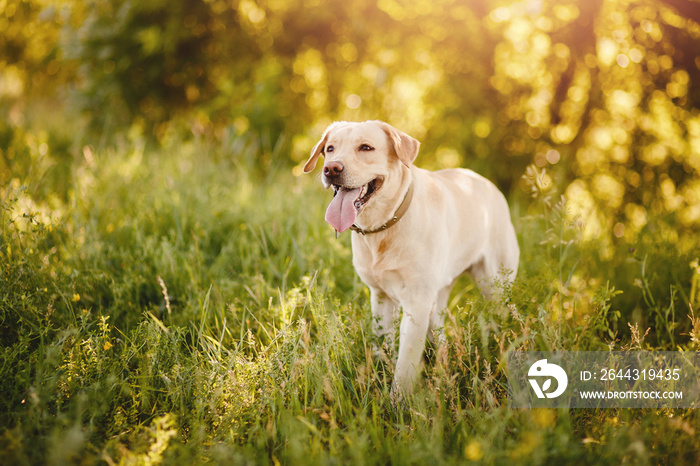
(363, 164)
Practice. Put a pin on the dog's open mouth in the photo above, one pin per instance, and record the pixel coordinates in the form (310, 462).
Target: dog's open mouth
(366, 192)
(348, 202)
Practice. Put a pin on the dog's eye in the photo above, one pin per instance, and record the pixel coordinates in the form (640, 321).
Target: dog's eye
(330, 149)
(366, 147)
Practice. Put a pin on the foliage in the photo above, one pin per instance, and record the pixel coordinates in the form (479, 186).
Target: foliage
(603, 92)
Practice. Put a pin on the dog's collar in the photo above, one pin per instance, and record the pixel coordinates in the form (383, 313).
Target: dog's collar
(405, 204)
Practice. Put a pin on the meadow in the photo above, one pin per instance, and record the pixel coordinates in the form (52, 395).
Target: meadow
(179, 306)
(170, 292)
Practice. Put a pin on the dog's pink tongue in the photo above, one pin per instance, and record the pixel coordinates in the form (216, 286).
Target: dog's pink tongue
(341, 211)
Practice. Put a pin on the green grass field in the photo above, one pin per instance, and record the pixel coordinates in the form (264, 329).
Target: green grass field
(172, 306)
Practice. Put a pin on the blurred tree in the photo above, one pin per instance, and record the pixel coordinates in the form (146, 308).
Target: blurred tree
(153, 61)
(29, 55)
(32, 69)
(603, 92)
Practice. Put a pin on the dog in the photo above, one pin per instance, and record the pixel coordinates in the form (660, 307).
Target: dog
(414, 232)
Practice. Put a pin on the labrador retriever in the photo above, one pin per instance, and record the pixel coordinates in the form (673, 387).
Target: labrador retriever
(414, 232)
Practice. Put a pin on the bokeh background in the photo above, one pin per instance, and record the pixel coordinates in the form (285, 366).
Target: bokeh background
(602, 93)
(170, 293)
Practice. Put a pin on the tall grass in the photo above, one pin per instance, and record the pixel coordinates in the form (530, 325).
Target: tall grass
(179, 308)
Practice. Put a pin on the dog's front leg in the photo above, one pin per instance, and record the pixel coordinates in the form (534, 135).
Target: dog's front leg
(414, 330)
(382, 323)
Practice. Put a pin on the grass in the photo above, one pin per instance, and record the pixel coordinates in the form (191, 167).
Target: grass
(172, 306)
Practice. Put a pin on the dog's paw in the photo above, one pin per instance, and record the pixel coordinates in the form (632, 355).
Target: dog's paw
(379, 354)
(398, 397)
(384, 354)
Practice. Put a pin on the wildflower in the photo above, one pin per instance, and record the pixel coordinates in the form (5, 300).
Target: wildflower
(76, 298)
(544, 417)
(473, 451)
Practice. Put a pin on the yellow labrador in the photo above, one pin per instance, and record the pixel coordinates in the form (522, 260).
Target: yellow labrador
(414, 231)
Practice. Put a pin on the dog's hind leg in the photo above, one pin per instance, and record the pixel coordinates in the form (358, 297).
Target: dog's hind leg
(493, 276)
(485, 275)
(436, 330)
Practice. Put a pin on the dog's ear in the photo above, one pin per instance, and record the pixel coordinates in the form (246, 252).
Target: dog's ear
(319, 147)
(405, 147)
(315, 152)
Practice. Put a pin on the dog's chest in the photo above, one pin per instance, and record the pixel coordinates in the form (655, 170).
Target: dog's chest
(378, 264)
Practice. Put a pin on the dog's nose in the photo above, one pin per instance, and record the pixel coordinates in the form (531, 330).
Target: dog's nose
(333, 169)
